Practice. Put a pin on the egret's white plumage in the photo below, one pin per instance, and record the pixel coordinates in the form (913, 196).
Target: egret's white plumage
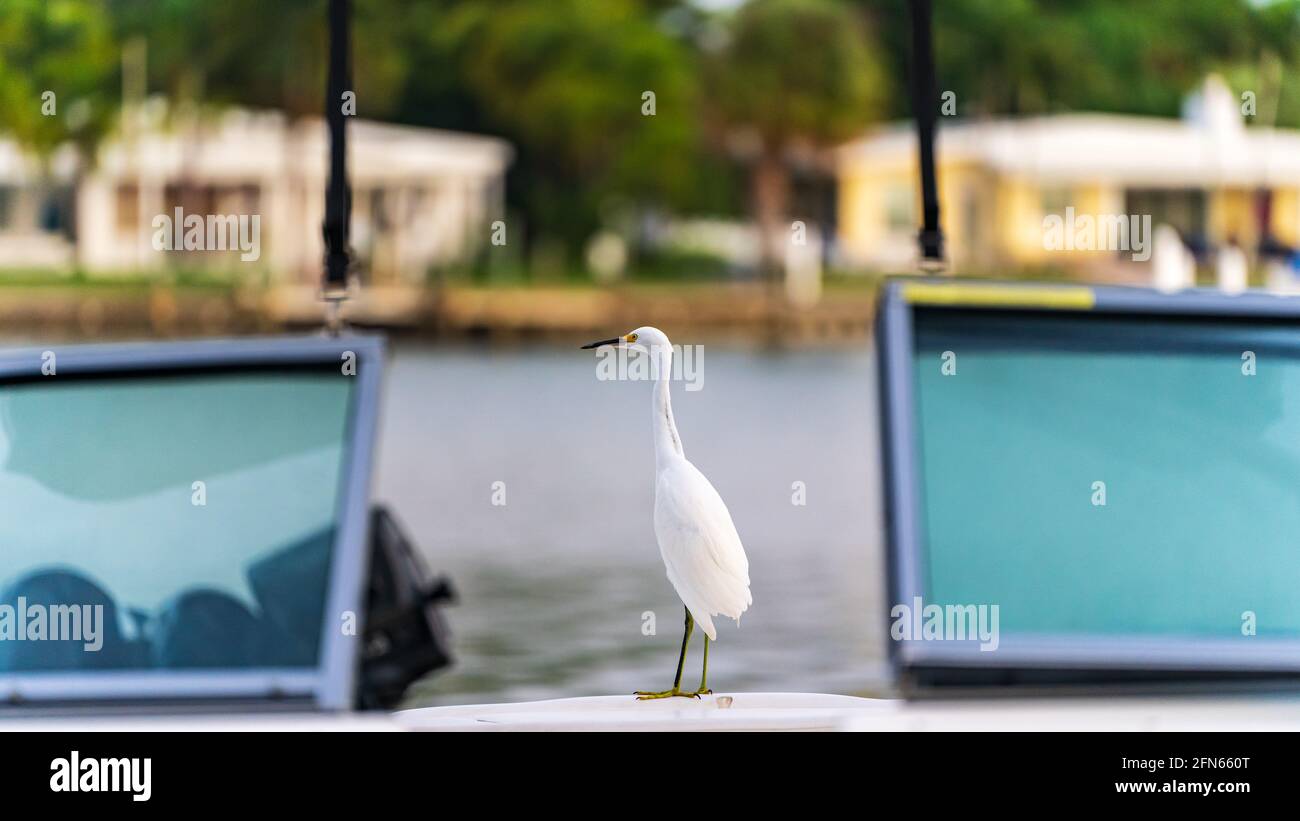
(701, 549)
(699, 544)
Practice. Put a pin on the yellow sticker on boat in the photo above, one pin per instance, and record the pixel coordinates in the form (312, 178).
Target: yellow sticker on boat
(1000, 296)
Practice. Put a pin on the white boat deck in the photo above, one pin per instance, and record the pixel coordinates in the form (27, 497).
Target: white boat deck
(808, 711)
(740, 712)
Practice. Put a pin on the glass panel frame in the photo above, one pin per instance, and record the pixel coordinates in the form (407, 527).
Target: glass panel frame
(330, 684)
(900, 301)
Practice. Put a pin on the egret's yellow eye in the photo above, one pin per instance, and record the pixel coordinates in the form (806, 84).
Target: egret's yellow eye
(630, 337)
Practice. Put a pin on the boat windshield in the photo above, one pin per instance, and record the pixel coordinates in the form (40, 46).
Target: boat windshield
(169, 521)
(1112, 477)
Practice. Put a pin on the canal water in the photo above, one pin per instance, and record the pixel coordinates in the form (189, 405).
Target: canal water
(529, 480)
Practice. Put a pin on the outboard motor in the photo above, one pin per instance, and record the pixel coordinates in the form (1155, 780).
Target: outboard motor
(406, 636)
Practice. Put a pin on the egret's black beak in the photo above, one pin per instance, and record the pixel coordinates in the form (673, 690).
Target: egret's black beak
(613, 341)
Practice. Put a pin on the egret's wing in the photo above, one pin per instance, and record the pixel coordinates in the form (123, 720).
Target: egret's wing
(702, 551)
(696, 496)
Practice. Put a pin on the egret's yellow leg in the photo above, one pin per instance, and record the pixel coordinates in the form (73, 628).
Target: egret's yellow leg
(704, 676)
(642, 695)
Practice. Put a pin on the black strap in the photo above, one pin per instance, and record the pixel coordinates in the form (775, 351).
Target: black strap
(923, 108)
(338, 194)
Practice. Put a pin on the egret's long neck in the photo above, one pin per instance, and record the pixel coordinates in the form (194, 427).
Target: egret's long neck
(668, 443)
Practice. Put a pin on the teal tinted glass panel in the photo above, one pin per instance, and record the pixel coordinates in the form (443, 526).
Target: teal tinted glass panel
(1200, 464)
(196, 511)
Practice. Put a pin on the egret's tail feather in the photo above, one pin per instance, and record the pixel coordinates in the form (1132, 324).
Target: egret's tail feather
(705, 622)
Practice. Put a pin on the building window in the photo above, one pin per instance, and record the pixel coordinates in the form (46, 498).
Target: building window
(57, 212)
(379, 211)
(1056, 198)
(1184, 209)
(127, 209)
(900, 208)
(971, 214)
(8, 194)
(191, 198)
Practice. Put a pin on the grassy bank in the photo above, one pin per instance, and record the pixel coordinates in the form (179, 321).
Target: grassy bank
(41, 304)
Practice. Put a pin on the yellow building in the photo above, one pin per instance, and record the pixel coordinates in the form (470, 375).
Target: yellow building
(1005, 185)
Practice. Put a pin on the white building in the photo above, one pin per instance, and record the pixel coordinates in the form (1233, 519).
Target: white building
(421, 197)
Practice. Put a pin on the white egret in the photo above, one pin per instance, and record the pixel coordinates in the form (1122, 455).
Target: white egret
(701, 550)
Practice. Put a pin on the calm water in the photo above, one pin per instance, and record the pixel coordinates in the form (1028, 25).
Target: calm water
(556, 583)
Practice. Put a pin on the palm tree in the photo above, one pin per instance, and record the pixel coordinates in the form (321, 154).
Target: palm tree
(792, 74)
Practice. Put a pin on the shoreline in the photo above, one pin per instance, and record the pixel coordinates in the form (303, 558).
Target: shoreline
(741, 310)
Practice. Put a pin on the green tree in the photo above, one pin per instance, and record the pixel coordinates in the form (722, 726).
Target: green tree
(57, 77)
(1014, 57)
(568, 81)
(270, 54)
(62, 48)
(793, 73)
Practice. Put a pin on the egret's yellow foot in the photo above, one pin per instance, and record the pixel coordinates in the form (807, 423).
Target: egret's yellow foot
(644, 695)
(703, 691)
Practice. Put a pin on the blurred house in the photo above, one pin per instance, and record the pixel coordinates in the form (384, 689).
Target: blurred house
(421, 197)
(1207, 175)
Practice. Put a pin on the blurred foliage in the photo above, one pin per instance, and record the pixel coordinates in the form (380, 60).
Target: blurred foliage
(797, 71)
(563, 80)
(268, 54)
(60, 46)
(570, 81)
(678, 266)
(791, 74)
(1041, 56)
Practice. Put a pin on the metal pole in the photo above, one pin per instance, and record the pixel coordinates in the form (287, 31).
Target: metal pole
(923, 108)
(338, 194)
